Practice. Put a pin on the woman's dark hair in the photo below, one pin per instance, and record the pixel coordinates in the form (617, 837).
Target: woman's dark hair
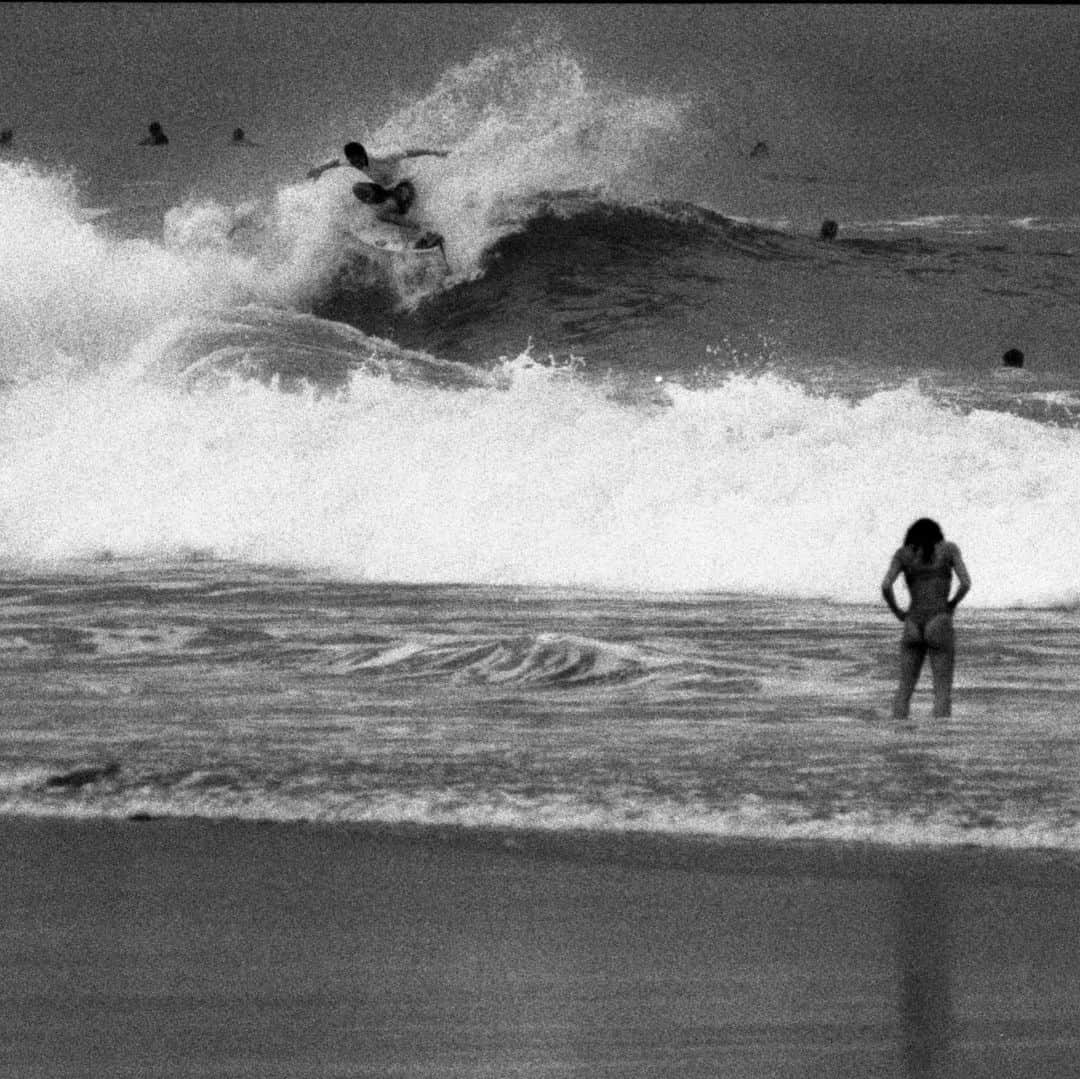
(924, 535)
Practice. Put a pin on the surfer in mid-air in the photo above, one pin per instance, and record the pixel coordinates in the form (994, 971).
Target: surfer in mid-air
(379, 173)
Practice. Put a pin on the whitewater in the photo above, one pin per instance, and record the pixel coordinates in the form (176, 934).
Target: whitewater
(163, 397)
(283, 534)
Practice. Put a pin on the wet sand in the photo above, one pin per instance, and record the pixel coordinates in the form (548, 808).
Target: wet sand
(171, 948)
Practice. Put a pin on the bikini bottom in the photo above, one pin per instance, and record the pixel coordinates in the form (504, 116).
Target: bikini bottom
(929, 631)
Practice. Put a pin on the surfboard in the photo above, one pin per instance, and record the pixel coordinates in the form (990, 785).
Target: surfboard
(408, 253)
(393, 239)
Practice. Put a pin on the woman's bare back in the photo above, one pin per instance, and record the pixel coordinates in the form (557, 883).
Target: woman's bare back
(928, 583)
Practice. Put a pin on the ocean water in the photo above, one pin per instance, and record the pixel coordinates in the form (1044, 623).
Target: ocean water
(585, 532)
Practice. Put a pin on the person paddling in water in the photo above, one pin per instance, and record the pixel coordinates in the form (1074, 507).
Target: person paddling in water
(928, 561)
(157, 136)
(379, 173)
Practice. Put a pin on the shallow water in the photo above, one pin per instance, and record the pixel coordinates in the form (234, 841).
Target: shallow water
(226, 691)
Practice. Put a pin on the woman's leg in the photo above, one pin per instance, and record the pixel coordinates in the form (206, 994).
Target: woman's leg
(912, 653)
(942, 647)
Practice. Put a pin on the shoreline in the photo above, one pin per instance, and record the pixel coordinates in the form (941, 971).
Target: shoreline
(824, 856)
(184, 948)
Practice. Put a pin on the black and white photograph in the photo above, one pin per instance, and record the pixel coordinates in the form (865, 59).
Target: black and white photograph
(539, 541)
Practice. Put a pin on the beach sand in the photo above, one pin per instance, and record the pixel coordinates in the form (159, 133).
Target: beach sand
(185, 948)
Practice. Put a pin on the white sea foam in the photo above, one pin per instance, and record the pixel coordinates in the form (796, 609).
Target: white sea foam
(563, 813)
(753, 485)
(66, 291)
(523, 119)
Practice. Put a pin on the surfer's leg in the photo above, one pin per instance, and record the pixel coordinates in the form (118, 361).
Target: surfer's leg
(404, 196)
(370, 193)
(942, 648)
(912, 653)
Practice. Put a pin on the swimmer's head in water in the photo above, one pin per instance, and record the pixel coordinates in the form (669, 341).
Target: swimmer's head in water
(925, 534)
(356, 155)
(155, 128)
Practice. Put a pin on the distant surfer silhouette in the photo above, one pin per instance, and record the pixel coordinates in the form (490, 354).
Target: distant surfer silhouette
(1013, 358)
(240, 139)
(829, 229)
(7, 136)
(379, 174)
(760, 149)
(157, 136)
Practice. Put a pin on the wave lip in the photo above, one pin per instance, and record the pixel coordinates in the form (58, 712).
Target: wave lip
(291, 351)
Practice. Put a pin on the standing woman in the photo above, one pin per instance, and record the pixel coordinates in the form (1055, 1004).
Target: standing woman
(928, 561)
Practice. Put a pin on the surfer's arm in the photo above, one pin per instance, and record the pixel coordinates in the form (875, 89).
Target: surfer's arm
(962, 576)
(895, 569)
(318, 170)
(416, 152)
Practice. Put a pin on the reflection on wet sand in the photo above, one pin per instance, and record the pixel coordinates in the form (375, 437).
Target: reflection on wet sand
(924, 965)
